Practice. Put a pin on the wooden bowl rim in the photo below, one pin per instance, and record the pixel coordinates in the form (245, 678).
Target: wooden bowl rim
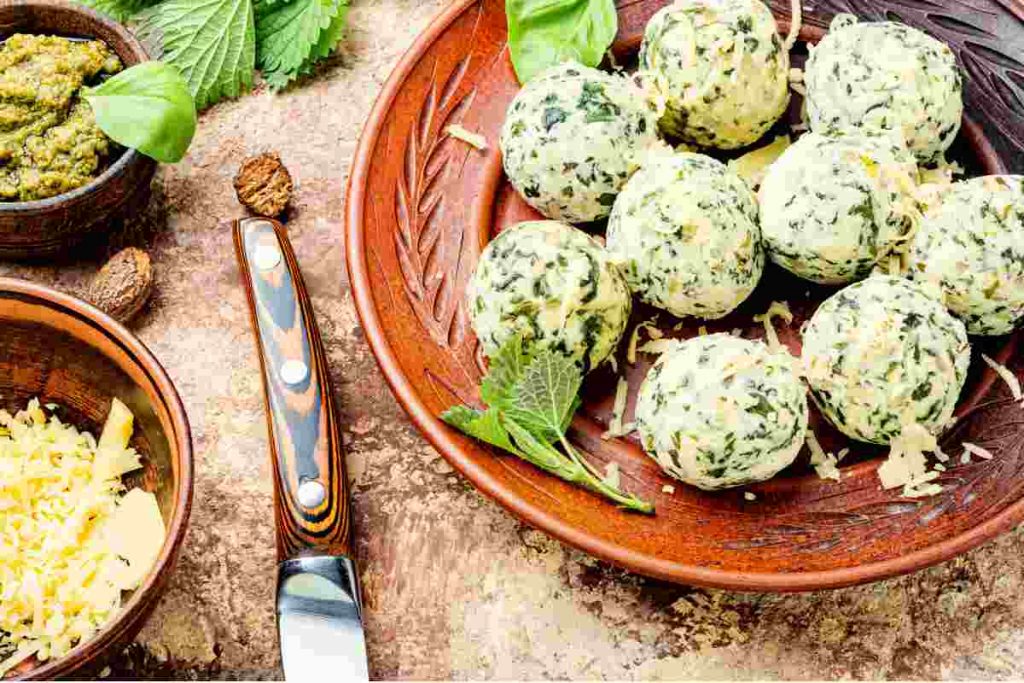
(149, 591)
(442, 438)
(128, 157)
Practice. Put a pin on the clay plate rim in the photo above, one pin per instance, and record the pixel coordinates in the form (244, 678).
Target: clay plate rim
(441, 436)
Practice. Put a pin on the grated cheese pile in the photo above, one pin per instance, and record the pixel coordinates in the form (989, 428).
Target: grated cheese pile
(69, 543)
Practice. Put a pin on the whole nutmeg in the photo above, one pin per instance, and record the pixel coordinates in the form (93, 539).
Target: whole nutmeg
(123, 285)
(264, 185)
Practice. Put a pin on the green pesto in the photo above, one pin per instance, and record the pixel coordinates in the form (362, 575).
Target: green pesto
(49, 141)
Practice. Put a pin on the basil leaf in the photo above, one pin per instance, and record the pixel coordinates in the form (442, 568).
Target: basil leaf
(146, 107)
(542, 33)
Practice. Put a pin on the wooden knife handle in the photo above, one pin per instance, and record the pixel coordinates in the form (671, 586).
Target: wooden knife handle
(310, 490)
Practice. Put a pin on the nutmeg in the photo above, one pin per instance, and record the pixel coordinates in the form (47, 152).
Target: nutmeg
(263, 184)
(123, 285)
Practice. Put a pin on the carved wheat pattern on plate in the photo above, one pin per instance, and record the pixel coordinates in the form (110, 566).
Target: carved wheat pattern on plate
(429, 244)
(996, 425)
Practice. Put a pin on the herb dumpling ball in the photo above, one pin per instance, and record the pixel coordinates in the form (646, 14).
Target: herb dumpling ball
(554, 285)
(719, 411)
(882, 77)
(684, 231)
(720, 67)
(972, 245)
(572, 137)
(832, 207)
(882, 354)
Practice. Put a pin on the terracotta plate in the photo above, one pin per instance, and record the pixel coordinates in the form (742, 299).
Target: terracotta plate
(421, 206)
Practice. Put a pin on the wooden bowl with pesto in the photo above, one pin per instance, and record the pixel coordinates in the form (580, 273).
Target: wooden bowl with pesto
(61, 179)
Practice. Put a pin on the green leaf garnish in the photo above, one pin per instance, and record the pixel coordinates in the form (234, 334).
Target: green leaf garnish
(212, 42)
(118, 9)
(531, 401)
(484, 425)
(545, 395)
(146, 107)
(291, 36)
(542, 33)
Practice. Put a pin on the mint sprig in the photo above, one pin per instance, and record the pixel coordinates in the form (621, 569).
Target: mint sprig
(530, 403)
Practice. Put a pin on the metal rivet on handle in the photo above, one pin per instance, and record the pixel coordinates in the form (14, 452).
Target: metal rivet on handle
(311, 493)
(266, 256)
(293, 372)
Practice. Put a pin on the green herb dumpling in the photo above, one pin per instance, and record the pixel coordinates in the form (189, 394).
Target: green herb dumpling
(554, 285)
(684, 231)
(972, 245)
(572, 137)
(833, 207)
(721, 68)
(885, 77)
(883, 354)
(718, 411)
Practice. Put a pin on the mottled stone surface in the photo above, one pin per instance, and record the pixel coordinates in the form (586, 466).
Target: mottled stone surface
(455, 587)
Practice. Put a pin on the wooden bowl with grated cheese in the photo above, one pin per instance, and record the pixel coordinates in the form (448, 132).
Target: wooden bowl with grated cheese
(69, 367)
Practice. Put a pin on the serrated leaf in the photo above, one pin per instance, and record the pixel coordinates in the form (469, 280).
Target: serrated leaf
(212, 42)
(120, 10)
(543, 455)
(292, 36)
(505, 369)
(484, 425)
(545, 397)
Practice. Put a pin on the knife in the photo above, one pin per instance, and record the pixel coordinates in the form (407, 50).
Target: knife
(319, 610)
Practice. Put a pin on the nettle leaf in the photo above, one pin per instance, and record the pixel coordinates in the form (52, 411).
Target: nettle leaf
(504, 371)
(212, 42)
(546, 396)
(542, 33)
(292, 36)
(120, 10)
(146, 107)
(484, 425)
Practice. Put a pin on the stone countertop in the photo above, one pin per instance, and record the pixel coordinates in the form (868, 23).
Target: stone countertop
(454, 586)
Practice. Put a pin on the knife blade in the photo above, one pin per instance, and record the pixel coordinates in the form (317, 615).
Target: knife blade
(319, 608)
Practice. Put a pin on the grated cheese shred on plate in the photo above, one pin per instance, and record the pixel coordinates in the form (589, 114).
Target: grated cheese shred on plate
(615, 426)
(795, 20)
(652, 331)
(1007, 376)
(469, 137)
(70, 543)
(611, 474)
(753, 165)
(780, 309)
(974, 449)
(824, 463)
(907, 465)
